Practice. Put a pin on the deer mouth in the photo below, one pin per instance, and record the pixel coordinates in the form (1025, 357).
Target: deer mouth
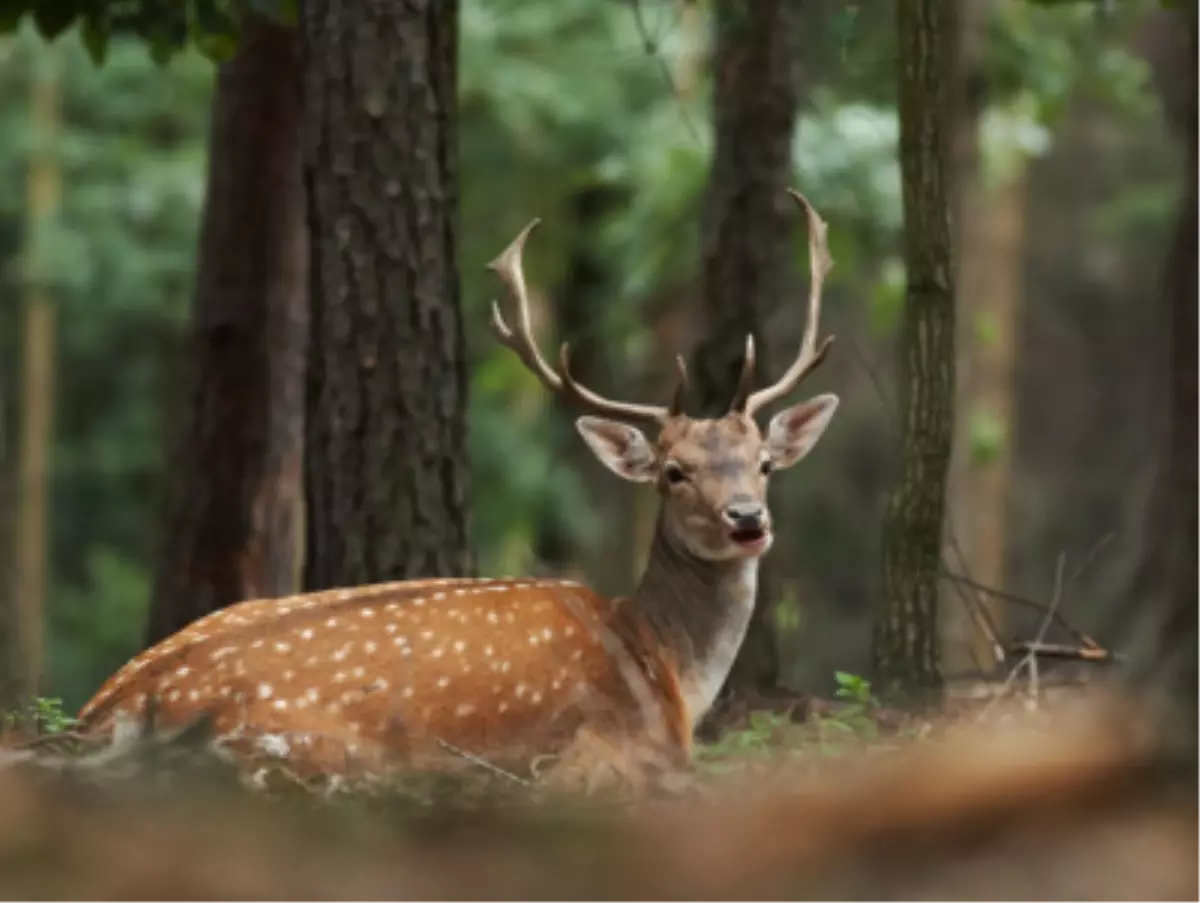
(750, 538)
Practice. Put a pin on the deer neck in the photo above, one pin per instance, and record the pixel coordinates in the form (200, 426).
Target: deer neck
(699, 610)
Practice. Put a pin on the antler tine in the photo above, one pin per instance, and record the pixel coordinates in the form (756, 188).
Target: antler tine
(508, 267)
(681, 384)
(746, 380)
(811, 355)
(520, 341)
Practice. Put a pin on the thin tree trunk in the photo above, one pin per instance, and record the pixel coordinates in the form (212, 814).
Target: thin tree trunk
(37, 391)
(1167, 664)
(989, 230)
(993, 265)
(386, 470)
(233, 525)
(11, 669)
(905, 649)
(747, 247)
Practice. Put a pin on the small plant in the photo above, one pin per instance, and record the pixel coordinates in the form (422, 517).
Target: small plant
(854, 688)
(44, 716)
(856, 716)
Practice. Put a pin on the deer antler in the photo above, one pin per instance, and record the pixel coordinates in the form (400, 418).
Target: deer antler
(520, 341)
(811, 354)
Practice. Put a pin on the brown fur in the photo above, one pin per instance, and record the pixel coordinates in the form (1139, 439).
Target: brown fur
(505, 669)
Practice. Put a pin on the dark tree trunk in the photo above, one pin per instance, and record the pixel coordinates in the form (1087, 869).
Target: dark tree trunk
(1168, 664)
(233, 526)
(586, 292)
(386, 472)
(905, 648)
(747, 246)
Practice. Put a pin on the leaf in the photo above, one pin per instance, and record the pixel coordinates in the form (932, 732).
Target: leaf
(95, 34)
(10, 16)
(52, 19)
(216, 47)
(215, 31)
(284, 11)
(161, 51)
(987, 436)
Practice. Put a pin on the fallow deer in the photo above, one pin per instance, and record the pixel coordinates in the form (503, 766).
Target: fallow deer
(504, 669)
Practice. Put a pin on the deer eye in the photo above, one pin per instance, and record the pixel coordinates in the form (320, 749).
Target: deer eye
(674, 473)
(766, 467)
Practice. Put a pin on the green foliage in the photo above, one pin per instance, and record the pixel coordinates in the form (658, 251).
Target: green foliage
(854, 689)
(45, 715)
(118, 260)
(767, 735)
(167, 28)
(986, 435)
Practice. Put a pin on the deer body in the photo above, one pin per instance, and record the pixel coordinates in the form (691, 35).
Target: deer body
(506, 669)
(511, 670)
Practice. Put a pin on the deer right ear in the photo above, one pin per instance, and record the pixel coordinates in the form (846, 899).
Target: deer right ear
(620, 447)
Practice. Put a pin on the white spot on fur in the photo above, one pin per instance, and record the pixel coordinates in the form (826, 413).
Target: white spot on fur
(274, 745)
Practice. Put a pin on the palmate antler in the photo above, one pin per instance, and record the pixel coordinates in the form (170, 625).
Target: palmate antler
(520, 340)
(810, 355)
(508, 266)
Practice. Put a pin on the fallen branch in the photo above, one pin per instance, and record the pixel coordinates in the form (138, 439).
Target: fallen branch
(1093, 654)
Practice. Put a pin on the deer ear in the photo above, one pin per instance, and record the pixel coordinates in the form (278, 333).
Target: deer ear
(794, 431)
(620, 447)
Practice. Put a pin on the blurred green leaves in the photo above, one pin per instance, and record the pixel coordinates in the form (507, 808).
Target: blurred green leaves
(168, 27)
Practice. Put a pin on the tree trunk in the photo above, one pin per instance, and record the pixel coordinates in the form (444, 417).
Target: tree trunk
(904, 649)
(989, 231)
(587, 289)
(386, 471)
(37, 395)
(1168, 664)
(747, 247)
(234, 519)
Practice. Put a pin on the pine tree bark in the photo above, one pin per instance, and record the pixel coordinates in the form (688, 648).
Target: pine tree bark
(905, 648)
(234, 519)
(386, 472)
(747, 238)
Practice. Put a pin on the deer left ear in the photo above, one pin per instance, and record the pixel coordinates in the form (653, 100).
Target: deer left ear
(620, 447)
(794, 431)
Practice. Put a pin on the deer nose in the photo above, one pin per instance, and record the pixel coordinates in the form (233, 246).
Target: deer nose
(745, 515)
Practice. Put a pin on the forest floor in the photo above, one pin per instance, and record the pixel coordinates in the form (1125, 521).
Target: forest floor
(747, 738)
(756, 733)
(790, 798)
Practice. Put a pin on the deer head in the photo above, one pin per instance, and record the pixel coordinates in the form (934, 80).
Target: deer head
(711, 474)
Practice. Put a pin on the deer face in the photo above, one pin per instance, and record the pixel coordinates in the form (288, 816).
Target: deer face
(713, 474)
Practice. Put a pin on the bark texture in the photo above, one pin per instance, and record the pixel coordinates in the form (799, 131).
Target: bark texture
(386, 474)
(905, 648)
(234, 517)
(747, 238)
